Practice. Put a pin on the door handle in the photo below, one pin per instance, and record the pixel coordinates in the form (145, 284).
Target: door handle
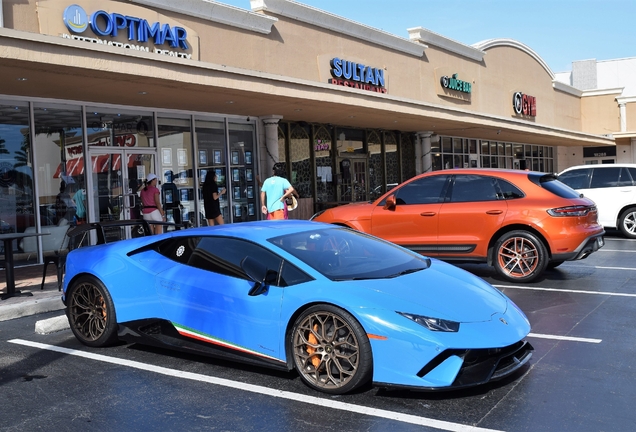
(429, 214)
(494, 212)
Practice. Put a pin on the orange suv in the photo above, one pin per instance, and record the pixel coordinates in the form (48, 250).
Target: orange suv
(520, 222)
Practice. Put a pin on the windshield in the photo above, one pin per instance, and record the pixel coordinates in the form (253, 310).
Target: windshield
(344, 254)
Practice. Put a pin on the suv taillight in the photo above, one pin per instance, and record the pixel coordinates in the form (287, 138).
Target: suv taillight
(574, 211)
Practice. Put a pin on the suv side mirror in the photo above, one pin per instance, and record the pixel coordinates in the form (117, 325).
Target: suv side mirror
(390, 203)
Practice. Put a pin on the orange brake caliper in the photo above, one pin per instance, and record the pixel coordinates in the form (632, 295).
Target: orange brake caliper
(315, 360)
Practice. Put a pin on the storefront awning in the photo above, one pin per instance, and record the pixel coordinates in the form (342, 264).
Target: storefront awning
(100, 164)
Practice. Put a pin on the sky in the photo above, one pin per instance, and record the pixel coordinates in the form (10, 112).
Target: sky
(559, 31)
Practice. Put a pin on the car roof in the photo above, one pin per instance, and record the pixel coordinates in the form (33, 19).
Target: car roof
(256, 231)
(616, 165)
(481, 171)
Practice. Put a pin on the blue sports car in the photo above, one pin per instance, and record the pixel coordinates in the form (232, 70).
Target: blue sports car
(343, 308)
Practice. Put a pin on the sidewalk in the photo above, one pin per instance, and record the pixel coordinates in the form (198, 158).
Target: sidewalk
(29, 279)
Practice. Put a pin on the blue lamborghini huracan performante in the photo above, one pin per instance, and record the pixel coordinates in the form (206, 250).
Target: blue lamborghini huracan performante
(342, 308)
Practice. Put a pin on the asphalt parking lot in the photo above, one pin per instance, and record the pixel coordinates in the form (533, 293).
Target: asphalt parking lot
(581, 377)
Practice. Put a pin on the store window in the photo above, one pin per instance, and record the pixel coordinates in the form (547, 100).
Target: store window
(325, 187)
(212, 158)
(242, 180)
(376, 164)
(16, 173)
(177, 184)
(299, 154)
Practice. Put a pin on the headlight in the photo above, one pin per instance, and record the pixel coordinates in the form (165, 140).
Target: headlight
(433, 324)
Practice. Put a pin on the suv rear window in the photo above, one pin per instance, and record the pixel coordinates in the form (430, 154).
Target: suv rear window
(549, 182)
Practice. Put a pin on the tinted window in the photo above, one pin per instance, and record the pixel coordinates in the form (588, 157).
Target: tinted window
(426, 190)
(549, 183)
(179, 249)
(474, 188)
(632, 172)
(605, 177)
(224, 255)
(577, 179)
(508, 190)
(625, 178)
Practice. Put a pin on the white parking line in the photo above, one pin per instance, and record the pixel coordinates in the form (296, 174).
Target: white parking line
(614, 250)
(565, 338)
(566, 290)
(327, 403)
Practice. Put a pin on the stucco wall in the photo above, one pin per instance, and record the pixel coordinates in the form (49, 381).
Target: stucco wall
(600, 114)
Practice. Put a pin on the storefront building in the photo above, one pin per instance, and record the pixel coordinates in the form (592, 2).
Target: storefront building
(95, 95)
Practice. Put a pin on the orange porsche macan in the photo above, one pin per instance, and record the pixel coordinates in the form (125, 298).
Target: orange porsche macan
(520, 222)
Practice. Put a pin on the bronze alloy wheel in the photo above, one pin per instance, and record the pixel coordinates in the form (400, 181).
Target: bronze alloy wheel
(521, 257)
(90, 312)
(330, 350)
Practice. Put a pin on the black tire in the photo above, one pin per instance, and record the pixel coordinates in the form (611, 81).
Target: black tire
(627, 223)
(554, 264)
(520, 256)
(334, 362)
(91, 312)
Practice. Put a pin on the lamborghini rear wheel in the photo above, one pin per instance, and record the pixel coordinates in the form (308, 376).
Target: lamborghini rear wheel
(91, 312)
(330, 349)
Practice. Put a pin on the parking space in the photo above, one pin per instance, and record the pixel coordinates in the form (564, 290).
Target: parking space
(581, 377)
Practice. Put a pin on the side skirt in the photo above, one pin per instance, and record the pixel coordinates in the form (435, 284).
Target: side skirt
(163, 334)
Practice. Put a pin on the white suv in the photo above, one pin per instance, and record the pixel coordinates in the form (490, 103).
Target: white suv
(612, 187)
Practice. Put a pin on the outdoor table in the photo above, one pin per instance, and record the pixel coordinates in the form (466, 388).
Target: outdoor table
(8, 262)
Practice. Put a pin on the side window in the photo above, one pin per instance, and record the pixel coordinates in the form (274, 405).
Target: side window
(179, 249)
(224, 255)
(632, 171)
(626, 179)
(605, 177)
(426, 190)
(508, 190)
(471, 187)
(577, 179)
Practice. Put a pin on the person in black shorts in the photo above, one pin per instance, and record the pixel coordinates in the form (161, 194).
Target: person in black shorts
(211, 204)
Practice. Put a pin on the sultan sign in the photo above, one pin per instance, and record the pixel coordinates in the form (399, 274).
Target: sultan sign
(357, 75)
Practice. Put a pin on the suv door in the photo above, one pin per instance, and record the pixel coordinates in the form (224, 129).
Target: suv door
(474, 210)
(412, 223)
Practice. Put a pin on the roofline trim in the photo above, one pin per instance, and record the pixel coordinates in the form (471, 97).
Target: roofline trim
(319, 18)
(211, 10)
(420, 34)
(603, 92)
(566, 88)
(492, 43)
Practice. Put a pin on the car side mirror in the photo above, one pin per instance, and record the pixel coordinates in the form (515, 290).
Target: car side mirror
(390, 203)
(258, 273)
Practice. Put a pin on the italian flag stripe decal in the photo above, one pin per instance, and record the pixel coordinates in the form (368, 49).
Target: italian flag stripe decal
(191, 333)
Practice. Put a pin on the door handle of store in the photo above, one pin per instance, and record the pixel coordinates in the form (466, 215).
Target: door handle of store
(429, 214)
(494, 212)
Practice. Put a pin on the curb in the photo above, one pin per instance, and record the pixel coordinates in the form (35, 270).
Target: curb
(20, 310)
(52, 325)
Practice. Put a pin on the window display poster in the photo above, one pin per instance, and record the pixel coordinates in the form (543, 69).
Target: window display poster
(237, 192)
(168, 196)
(220, 177)
(166, 156)
(250, 209)
(237, 210)
(203, 157)
(202, 174)
(235, 158)
(248, 158)
(184, 195)
(217, 156)
(182, 157)
(250, 191)
(236, 176)
(248, 174)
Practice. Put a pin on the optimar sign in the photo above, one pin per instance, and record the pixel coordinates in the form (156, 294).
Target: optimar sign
(135, 29)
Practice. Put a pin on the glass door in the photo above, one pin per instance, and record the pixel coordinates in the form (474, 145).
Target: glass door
(116, 176)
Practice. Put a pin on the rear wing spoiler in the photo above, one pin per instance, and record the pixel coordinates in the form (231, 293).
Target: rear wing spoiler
(100, 227)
